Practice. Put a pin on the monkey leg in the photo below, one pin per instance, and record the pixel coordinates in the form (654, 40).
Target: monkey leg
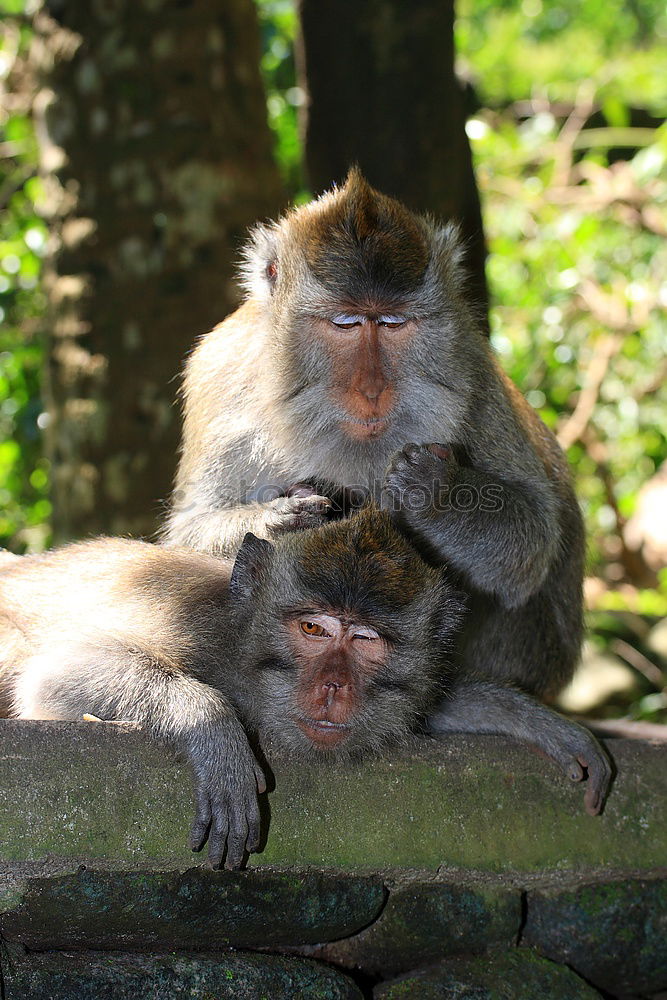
(482, 707)
(113, 681)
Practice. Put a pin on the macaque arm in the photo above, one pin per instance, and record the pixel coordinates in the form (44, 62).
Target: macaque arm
(501, 535)
(504, 543)
(483, 707)
(114, 682)
(221, 532)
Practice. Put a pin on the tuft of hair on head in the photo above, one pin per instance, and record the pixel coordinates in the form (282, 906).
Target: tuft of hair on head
(361, 245)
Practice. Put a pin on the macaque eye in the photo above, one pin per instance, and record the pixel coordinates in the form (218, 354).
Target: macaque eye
(346, 321)
(312, 628)
(366, 634)
(392, 322)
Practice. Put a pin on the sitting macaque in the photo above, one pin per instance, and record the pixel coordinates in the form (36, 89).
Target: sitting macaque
(329, 643)
(356, 365)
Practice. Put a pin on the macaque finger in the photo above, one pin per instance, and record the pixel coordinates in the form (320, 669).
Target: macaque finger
(253, 819)
(440, 451)
(254, 834)
(236, 843)
(301, 490)
(260, 779)
(411, 451)
(599, 778)
(218, 838)
(202, 822)
(573, 769)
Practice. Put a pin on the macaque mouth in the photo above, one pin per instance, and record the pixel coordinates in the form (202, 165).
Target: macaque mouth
(322, 732)
(367, 428)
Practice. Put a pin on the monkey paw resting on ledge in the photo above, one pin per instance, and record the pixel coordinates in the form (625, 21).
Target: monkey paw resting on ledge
(329, 643)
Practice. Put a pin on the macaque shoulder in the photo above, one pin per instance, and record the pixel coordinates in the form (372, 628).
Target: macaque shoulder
(222, 388)
(541, 439)
(235, 345)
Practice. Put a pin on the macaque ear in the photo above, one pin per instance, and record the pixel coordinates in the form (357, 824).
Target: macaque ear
(251, 560)
(259, 267)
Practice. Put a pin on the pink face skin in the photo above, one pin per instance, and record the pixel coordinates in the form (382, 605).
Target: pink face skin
(335, 657)
(365, 350)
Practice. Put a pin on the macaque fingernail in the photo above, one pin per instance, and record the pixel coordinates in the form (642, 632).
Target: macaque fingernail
(300, 490)
(440, 451)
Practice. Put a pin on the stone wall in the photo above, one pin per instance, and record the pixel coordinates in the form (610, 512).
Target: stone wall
(462, 868)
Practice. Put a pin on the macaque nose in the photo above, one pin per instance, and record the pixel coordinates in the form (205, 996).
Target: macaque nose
(331, 689)
(372, 392)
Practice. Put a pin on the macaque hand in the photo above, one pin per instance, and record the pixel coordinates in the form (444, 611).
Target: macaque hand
(581, 758)
(296, 513)
(415, 476)
(227, 809)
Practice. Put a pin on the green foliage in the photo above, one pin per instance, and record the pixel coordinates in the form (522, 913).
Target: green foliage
(548, 47)
(575, 210)
(24, 480)
(573, 264)
(278, 24)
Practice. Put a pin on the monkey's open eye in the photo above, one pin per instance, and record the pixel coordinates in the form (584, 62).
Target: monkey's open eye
(312, 628)
(345, 321)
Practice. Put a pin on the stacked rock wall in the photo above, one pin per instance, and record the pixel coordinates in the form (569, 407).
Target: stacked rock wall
(464, 868)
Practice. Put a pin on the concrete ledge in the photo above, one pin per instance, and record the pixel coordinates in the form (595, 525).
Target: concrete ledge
(95, 794)
(438, 865)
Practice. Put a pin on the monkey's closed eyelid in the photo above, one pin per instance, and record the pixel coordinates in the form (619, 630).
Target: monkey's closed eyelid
(346, 319)
(392, 320)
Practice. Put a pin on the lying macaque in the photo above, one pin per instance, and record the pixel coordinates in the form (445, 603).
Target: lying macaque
(328, 643)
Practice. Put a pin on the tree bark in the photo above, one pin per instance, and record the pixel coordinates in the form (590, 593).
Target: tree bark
(156, 156)
(382, 93)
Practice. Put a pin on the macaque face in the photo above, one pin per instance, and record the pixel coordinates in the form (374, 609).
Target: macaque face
(347, 283)
(364, 350)
(335, 659)
(346, 633)
(336, 685)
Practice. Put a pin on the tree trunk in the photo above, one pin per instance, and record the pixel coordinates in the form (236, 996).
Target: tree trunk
(382, 93)
(156, 156)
